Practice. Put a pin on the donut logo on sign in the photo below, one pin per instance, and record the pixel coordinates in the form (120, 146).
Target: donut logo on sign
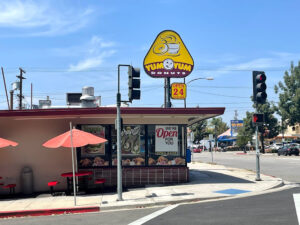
(168, 57)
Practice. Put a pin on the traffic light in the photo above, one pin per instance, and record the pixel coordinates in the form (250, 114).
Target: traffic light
(258, 118)
(259, 87)
(134, 83)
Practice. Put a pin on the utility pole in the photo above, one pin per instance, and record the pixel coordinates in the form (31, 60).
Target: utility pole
(235, 115)
(21, 84)
(5, 88)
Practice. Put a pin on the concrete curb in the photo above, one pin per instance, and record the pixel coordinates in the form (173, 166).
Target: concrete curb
(109, 208)
(48, 212)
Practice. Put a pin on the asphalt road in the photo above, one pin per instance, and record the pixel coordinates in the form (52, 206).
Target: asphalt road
(268, 209)
(285, 167)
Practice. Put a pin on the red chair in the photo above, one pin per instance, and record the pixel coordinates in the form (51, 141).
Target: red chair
(52, 184)
(11, 188)
(100, 181)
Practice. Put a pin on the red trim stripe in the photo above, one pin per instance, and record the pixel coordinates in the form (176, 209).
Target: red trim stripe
(47, 212)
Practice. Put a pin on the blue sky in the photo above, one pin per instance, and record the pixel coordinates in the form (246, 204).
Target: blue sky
(64, 45)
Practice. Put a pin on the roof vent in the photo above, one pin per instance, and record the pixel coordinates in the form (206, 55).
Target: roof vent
(88, 98)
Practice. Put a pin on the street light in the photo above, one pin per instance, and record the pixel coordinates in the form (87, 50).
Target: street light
(198, 78)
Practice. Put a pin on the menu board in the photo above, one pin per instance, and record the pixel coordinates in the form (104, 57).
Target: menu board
(166, 138)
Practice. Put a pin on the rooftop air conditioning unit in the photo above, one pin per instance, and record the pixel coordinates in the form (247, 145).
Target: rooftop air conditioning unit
(73, 99)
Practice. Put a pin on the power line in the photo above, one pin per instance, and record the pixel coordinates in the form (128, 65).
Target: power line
(113, 69)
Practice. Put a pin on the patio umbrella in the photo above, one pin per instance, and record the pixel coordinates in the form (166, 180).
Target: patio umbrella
(74, 138)
(5, 143)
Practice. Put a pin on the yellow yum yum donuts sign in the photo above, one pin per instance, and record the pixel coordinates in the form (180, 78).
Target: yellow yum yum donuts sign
(168, 57)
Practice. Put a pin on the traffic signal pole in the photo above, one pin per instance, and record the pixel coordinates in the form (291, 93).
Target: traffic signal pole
(134, 93)
(119, 152)
(259, 97)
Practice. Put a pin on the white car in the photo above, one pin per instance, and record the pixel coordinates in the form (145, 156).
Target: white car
(276, 146)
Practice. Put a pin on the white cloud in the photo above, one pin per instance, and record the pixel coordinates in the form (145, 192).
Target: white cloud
(91, 62)
(40, 19)
(277, 61)
(96, 51)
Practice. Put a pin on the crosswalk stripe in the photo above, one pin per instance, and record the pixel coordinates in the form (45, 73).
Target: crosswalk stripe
(297, 205)
(153, 215)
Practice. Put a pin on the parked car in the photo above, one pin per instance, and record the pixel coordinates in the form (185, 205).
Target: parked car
(295, 146)
(276, 146)
(199, 149)
(288, 150)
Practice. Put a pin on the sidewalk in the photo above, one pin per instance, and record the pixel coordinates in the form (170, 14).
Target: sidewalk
(207, 181)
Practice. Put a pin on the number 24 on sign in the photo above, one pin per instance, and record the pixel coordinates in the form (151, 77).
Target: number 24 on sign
(178, 91)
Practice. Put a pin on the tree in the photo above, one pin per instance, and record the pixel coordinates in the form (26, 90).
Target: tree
(219, 126)
(269, 129)
(246, 132)
(199, 130)
(289, 96)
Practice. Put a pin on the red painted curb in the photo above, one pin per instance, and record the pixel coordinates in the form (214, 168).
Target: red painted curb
(47, 212)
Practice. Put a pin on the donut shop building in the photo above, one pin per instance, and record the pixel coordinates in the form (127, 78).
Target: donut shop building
(154, 143)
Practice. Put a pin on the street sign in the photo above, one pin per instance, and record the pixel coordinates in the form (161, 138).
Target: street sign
(178, 91)
(211, 137)
(168, 57)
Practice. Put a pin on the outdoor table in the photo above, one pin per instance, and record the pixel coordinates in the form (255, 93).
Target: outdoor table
(69, 176)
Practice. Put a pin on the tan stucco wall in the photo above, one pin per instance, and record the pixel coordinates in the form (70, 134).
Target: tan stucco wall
(47, 164)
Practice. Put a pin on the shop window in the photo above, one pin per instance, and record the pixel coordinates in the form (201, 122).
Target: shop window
(165, 145)
(94, 155)
(132, 145)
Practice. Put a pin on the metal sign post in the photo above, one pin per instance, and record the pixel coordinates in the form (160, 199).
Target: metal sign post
(211, 137)
(257, 155)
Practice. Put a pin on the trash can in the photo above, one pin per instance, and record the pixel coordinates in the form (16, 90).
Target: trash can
(27, 180)
(188, 155)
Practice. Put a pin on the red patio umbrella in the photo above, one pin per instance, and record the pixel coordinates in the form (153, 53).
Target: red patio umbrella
(5, 143)
(80, 138)
(74, 138)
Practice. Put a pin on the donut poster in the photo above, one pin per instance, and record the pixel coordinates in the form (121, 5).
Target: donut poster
(168, 57)
(166, 138)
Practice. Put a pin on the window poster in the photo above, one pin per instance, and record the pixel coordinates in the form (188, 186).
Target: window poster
(93, 155)
(130, 140)
(166, 138)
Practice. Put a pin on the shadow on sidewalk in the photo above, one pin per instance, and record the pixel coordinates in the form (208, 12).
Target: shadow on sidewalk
(208, 177)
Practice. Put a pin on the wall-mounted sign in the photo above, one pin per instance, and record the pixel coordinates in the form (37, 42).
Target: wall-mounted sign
(168, 57)
(166, 138)
(178, 91)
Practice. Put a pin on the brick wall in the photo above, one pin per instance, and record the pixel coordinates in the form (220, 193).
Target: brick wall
(142, 176)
